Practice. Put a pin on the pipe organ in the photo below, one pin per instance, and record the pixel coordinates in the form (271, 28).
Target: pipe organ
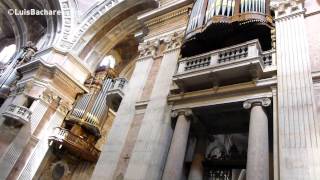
(213, 23)
(82, 126)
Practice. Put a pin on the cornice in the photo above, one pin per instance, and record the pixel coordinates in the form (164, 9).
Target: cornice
(73, 57)
(55, 70)
(163, 10)
(165, 17)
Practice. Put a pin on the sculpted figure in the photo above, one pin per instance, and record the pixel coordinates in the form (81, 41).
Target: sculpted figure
(28, 52)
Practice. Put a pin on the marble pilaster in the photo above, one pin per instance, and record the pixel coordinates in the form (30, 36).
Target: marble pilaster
(298, 124)
(153, 141)
(111, 151)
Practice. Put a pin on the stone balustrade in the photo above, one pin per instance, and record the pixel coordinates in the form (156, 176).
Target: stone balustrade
(18, 113)
(268, 58)
(244, 61)
(119, 83)
(242, 52)
(76, 144)
(116, 93)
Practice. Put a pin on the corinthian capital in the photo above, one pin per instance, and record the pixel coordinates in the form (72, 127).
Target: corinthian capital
(148, 49)
(287, 7)
(174, 41)
(265, 102)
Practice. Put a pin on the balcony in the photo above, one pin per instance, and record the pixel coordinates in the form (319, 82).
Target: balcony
(63, 138)
(231, 65)
(18, 113)
(116, 93)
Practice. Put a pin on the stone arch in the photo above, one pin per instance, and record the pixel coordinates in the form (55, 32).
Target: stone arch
(110, 29)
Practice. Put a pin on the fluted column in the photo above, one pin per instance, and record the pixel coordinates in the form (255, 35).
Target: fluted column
(175, 159)
(258, 145)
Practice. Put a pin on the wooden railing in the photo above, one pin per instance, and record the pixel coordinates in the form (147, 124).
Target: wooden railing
(74, 140)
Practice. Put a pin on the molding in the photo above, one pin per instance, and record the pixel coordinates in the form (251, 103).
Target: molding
(163, 10)
(165, 17)
(73, 57)
(265, 102)
(55, 70)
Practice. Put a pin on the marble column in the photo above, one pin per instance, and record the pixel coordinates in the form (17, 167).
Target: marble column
(175, 159)
(196, 170)
(258, 145)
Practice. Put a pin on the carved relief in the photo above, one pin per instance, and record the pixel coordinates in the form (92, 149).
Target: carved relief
(28, 52)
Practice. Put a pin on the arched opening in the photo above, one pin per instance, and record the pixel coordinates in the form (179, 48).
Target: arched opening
(108, 61)
(6, 53)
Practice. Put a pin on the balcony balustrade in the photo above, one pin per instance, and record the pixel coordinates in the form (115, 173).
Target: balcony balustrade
(18, 113)
(116, 92)
(63, 138)
(224, 65)
(119, 86)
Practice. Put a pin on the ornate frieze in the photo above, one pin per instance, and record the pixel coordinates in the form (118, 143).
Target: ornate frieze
(265, 102)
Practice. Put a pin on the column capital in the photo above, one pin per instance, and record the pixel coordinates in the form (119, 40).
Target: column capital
(287, 7)
(186, 112)
(265, 102)
(174, 41)
(148, 48)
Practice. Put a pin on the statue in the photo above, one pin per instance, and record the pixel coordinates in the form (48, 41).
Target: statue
(28, 52)
(226, 146)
